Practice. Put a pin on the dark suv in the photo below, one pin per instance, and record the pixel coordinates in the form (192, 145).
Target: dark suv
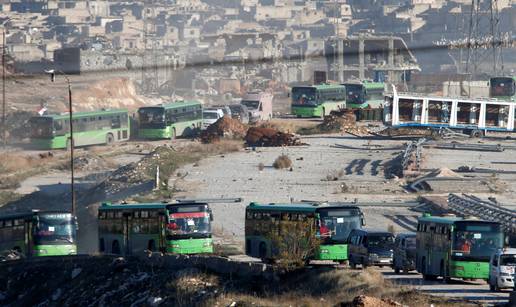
(370, 247)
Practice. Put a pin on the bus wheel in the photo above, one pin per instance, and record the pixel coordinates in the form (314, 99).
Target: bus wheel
(396, 270)
(151, 246)
(115, 247)
(109, 139)
(476, 133)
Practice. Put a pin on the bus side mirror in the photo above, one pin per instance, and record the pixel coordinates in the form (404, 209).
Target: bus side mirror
(211, 216)
(362, 221)
(506, 241)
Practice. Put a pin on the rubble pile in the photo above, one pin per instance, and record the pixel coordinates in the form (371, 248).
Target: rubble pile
(225, 127)
(268, 137)
(342, 121)
(368, 301)
(103, 281)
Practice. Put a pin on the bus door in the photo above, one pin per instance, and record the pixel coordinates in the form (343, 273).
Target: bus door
(162, 229)
(126, 220)
(29, 241)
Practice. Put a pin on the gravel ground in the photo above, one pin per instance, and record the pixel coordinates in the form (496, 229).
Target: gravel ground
(238, 175)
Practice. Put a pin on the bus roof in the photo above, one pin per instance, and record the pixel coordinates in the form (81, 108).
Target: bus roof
(367, 84)
(137, 206)
(304, 207)
(440, 219)
(176, 104)
(108, 206)
(28, 214)
(86, 114)
(323, 86)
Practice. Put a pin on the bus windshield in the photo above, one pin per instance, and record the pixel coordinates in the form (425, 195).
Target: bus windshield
(304, 96)
(478, 241)
(502, 87)
(41, 127)
(337, 224)
(54, 229)
(189, 223)
(151, 117)
(355, 93)
(508, 260)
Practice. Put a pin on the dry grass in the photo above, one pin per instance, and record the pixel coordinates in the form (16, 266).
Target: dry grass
(282, 162)
(11, 163)
(329, 287)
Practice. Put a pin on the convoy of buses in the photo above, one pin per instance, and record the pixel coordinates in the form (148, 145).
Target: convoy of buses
(445, 246)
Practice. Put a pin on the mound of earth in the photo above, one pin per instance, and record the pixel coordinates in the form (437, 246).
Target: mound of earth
(225, 127)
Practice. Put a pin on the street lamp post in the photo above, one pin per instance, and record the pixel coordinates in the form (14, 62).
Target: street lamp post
(4, 121)
(70, 142)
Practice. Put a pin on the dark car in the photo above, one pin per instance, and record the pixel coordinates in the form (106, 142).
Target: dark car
(370, 247)
(240, 112)
(404, 257)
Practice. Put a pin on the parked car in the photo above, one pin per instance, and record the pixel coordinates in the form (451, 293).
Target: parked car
(404, 255)
(502, 268)
(240, 112)
(259, 105)
(370, 247)
(209, 116)
(225, 109)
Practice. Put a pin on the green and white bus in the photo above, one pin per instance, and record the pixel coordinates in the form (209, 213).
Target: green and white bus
(38, 234)
(178, 228)
(89, 128)
(503, 88)
(317, 100)
(168, 121)
(365, 94)
(452, 247)
(331, 224)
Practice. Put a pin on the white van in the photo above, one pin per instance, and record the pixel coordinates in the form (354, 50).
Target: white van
(502, 267)
(209, 116)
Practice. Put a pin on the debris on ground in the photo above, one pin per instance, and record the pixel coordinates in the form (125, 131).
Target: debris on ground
(282, 162)
(268, 137)
(407, 131)
(369, 301)
(225, 127)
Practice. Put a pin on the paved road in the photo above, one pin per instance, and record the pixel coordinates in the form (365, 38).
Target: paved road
(477, 291)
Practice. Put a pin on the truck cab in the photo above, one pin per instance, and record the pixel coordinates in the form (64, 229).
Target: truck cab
(259, 105)
(502, 267)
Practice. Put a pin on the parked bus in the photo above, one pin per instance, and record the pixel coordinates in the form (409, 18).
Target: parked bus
(453, 247)
(38, 234)
(503, 88)
(177, 228)
(470, 116)
(317, 100)
(331, 224)
(89, 128)
(168, 121)
(366, 94)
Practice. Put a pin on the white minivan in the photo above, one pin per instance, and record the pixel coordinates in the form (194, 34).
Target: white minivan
(502, 267)
(209, 116)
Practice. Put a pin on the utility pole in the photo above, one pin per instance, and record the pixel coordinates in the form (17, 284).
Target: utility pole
(70, 143)
(4, 121)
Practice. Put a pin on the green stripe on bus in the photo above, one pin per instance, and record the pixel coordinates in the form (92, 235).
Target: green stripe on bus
(190, 246)
(54, 250)
(332, 252)
(469, 269)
